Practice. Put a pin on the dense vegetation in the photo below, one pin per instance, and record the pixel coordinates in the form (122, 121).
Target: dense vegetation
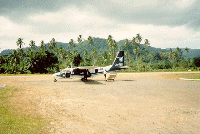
(49, 58)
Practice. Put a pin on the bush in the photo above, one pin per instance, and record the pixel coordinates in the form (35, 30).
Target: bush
(196, 61)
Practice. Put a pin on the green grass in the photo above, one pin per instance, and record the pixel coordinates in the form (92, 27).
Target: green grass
(22, 74)
(190, 76)
(13, 122)
(177, 76)
(157, 70)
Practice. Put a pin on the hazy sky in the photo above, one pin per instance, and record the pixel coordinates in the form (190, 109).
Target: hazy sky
(165, 23)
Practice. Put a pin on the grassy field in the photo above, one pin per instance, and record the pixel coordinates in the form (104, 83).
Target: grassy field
(23, 74)
(189, 76)
(178, 69)
(12, 122)
(177, 76)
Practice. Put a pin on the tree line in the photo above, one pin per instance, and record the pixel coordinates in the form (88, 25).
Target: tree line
(51, 57)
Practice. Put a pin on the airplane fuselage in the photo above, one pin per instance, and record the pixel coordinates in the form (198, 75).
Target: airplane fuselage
(79, 73)
(90, 71)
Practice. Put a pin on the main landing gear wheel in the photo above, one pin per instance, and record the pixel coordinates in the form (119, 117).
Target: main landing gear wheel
(83, 79)
(55, 80)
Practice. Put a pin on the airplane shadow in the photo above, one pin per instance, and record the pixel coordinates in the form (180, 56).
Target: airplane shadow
(93, 82)
(128, 80)
(71, 81)
(86, 82)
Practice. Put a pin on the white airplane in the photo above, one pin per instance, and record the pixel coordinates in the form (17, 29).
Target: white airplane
(89, 71)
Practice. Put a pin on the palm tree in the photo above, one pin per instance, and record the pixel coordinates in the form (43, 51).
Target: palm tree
(109, 37)
(146, 43)
(162, 55)
(32, 44)
(175, 56)
(179, 53)
(114, 49)
(20, 43)
(136, 52)
(85, 57)
(31, 53)
(61, 53)
(14, 60)
(110, 41)
(141, 57)
(186, 50)
(111, 45)
(151, 56)
(94, 55)
(105, 57)
(80, 40)
(69, 56)
(133, 41)
(42, 46)
(136, 48)
(138, 38)
(170, 54)
(126, 43)
(90, 41)
(52, 44)
(71, 43)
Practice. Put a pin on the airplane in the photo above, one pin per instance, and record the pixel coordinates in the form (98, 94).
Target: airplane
(90, 71)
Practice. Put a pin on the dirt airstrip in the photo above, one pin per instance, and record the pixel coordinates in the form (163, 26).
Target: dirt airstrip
(133, 103)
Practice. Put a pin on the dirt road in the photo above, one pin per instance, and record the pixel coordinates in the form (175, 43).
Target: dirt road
(133, 103)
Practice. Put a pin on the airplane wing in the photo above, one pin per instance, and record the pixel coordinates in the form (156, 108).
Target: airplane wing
(87, 67)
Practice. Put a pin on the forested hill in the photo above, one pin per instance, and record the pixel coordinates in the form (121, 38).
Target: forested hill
(53, 56)
(101, 45)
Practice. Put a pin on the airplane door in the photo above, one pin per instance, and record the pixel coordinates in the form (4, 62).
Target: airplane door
(67, 75)
(96, 70)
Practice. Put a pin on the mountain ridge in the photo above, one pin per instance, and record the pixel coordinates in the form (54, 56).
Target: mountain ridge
(101, 45)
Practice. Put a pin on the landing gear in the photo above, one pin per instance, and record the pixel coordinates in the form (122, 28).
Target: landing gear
(85, 76)
(83, 79)
(55, 80)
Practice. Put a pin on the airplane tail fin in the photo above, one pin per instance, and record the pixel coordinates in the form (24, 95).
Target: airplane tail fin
(118, 62)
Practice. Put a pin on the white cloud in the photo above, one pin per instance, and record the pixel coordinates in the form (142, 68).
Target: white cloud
(160, 36)
(70, 16)
(11, 29)
(10, 32)
(184, 3)
(68, 23)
